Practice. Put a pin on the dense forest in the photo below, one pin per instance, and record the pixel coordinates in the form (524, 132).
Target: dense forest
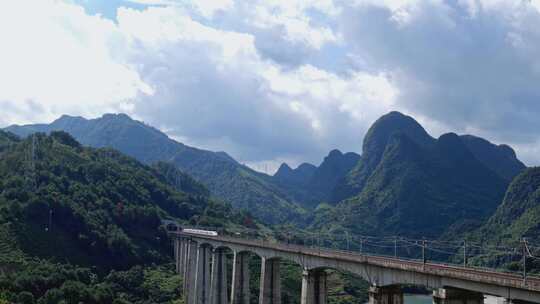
(226, 178)
(79, 224)
(94, 214)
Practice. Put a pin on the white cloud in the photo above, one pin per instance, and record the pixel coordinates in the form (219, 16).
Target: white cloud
(207, 8)
(278, 80)
(360, 94)
(470, 65)
(224, 94)
(56, 55)
(156, 27)
(292, 16)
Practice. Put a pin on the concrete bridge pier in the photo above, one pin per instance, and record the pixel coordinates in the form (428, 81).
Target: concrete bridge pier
(385, 295)
(219, 287)
(270, 288)
(202, 276)
(176, 251)
(180, 248)
(182, 255)
(240, 279)
(517, 302)
(456, 296)
(314, 289)
(190, 270)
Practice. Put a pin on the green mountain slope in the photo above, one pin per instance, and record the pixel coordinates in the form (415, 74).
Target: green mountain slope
(516, 219)
(297, 177)
(312, 185)
(519, 214)
(7, 139)
(226, 179)
(374, 145)
(408, 183)
(83, 225)
(179, 180)
(499, 158)
(91, 207)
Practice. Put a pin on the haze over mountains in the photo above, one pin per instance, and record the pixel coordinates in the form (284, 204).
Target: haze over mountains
(405, 181)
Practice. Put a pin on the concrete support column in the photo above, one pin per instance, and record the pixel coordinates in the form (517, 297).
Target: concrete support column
(190, 270)
(218, 291)
(240, 279)
(385, 295)
(177, 254)
(202, 276)
(314, 289)
(270, 289)
(185, 255)
(177, 243)
(456, 296)
(518, 302)
(182, 252)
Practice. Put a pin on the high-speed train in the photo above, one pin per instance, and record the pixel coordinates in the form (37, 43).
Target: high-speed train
(172, 226)
(199, 231)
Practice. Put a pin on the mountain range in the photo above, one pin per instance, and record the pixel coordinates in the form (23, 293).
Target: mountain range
(312, 185)
(84, 225)
(225, 177)
(409, 183)
(107, 205)
(404, 182)
(273, 199)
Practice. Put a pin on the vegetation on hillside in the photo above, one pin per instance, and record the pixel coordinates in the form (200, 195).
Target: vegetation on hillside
(73, 207)
(516, 219)
(418, 191)
(77, 222)
(311, 185)
(227, 179)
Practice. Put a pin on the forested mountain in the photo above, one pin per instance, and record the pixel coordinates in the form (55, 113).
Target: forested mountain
(499, 158)
(519, 214)
(225, 178)
(408, 183)
(332, 170)
(515, 220)
(312, 185)
(374, 145)
(106, 207)
(179, 180)
(65, 208)
(297, 177)
(405, 180)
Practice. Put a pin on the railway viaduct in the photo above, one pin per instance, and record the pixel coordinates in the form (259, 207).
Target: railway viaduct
(202, 261)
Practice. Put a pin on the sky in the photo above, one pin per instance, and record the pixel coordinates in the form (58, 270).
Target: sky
(270, 81)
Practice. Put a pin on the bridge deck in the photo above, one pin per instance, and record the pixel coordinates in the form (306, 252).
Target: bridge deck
(443, 270)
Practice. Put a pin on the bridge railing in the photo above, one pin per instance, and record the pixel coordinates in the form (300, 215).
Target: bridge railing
(474, 256)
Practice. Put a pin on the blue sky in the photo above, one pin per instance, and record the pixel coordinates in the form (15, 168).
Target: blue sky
(272, 81)
(107, 8)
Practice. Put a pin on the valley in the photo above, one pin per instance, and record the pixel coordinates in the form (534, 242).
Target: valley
(108, 182)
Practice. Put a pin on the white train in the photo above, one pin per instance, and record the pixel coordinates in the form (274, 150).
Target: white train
(199, 231)
(172, 226)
